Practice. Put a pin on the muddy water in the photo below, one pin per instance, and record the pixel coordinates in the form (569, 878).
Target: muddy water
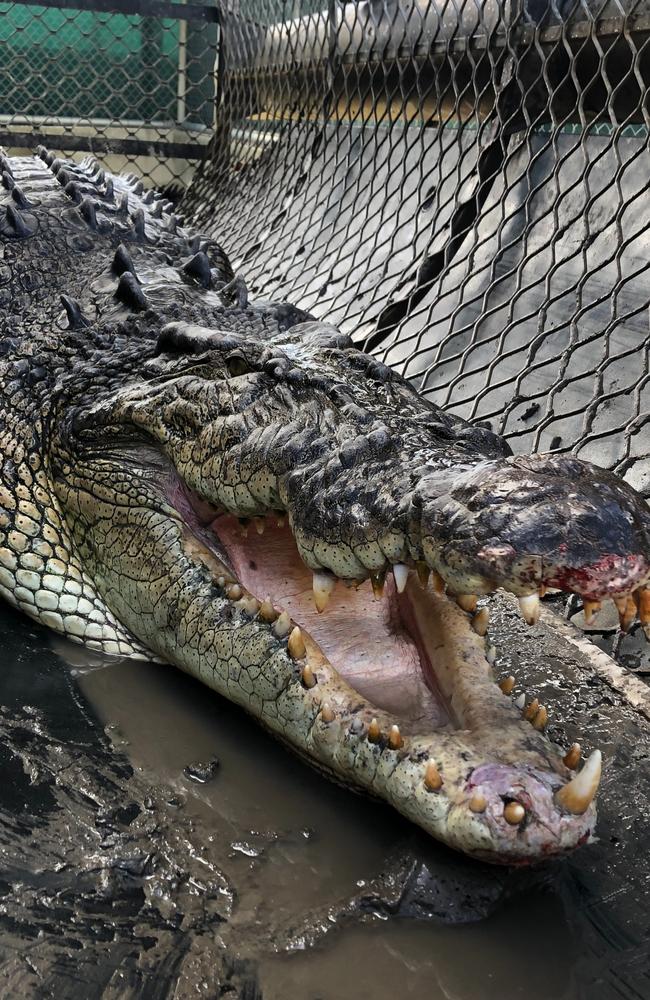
(295, 847)
(267, 881)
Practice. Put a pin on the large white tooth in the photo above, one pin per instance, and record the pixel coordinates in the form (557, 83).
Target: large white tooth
(576, 796)
(520, 701)
(401, 574)
(480, 621)
(282, 626)
(467, 602)
(530, 607)
(324, 584)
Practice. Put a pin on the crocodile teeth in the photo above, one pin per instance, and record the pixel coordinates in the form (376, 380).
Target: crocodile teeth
(572, 757)
(590, 610)
(423, 572)
(478, 803)
(626, 608)
(377, 580)
(541, 719)
(480, 621)
(250, 604)
(576, 797)
(628, 614)
(308, 676)
(437, 582)
(296, 644)
(234, 592)
(467, 602)
(374, 732)
(530, 608)
(432, 777)
(513, 813)
(267, 611)
(260, 525)
(532, 710)
(282, 626)
(644, 605)
(507, 684)
(520, 701)
(327, 712)
(644, 610)
(323, 585)
(395, 740)
(401, 574)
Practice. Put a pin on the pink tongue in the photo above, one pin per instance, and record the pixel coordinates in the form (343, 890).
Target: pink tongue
(363, 638)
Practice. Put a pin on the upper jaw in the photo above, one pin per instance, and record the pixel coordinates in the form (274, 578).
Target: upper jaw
(372, 477)
(544, 521)
(521, 524)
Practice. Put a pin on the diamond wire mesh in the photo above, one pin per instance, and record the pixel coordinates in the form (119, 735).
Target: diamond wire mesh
(460, 184)
(131, 80)
(463, 187)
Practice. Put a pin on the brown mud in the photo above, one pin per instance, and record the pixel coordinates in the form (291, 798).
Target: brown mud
(156, 843)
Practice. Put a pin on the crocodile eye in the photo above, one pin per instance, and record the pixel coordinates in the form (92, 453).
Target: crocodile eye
(237, 364)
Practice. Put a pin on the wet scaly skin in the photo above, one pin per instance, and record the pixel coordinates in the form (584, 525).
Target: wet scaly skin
(171, 402)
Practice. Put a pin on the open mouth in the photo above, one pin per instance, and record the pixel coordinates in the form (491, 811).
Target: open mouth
(395, 694)
(374, 639)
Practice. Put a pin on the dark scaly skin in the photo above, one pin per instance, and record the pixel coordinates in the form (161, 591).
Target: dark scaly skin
(157, 391)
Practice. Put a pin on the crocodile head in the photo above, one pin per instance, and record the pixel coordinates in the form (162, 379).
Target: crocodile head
(286, 519)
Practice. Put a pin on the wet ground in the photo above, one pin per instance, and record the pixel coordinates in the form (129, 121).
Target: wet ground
(155, 843)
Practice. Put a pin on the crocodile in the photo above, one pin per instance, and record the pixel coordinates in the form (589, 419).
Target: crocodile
(229, 485)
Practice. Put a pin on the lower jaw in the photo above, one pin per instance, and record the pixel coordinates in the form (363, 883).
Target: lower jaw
(415, 742)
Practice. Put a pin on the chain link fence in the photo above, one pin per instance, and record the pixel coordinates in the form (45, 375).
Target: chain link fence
(132, 81)
(462, 185)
